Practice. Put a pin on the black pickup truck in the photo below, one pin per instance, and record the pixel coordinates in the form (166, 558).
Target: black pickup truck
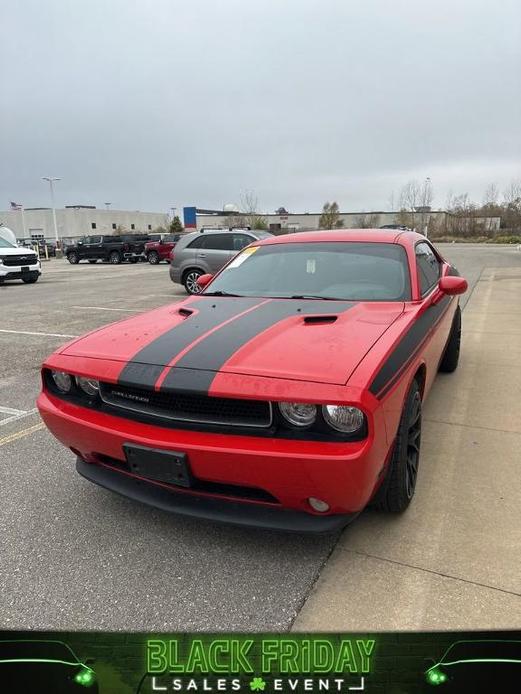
(112, 249)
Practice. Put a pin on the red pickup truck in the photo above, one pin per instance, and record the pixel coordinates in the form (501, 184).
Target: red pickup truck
(156, 251)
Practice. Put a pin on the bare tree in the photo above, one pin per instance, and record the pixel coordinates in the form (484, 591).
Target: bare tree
(330, 217)
(249, 207)
(491, 196)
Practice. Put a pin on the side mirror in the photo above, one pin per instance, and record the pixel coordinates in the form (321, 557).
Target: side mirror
(453, 285)
(204, 280)
(80, 243)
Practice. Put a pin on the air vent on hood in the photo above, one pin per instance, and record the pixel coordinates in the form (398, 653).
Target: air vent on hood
(185, 312)
(319, 319)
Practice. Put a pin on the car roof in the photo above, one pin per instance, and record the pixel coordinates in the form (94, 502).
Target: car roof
(354, 235)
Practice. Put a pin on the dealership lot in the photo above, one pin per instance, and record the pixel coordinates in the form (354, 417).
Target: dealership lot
(76, 556)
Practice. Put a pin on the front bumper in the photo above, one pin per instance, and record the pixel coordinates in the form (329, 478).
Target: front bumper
(211, 508)
(14, 272)
(288, 472)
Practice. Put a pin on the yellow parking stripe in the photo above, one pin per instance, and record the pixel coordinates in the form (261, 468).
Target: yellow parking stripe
(21, 434)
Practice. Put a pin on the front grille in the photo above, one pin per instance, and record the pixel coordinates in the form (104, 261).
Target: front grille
(17, 260)
(183, 407)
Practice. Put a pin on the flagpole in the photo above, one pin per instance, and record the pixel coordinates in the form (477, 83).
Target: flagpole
(23, 221)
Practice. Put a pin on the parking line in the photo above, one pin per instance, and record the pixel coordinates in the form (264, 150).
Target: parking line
(10, 410)
(21, 434)
(15, 417)
(24, 332)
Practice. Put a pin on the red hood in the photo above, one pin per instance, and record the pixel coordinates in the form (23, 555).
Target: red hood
(318, 341)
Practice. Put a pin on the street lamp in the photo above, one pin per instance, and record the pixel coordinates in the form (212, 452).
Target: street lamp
(107, 205)
(51, 180)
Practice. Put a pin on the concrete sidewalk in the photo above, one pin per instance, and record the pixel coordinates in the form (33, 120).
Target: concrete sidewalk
(453, 560)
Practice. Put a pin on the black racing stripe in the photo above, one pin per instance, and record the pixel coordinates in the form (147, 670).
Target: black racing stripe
(408, 345)
(212, 353)
(144, 368)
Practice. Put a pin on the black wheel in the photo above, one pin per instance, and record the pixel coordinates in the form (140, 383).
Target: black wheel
(73, 258)
(30, 280)
(398, 487)
(153, 258)
(114, 258)
(450, 359)
(190, 281)
(93, 260)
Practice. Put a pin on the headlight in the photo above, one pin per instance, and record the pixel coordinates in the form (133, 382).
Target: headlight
(62, 380)
(343, 418)
(435, 676)
(298, 414)
(85, 677)
(88, 385)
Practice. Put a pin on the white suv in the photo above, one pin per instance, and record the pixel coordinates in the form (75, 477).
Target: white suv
(18, 263)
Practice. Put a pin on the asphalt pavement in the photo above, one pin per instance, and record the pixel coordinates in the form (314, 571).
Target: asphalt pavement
(73, 556)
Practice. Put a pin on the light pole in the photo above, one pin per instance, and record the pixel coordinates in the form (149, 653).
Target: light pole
(51, 180)
(107, 205)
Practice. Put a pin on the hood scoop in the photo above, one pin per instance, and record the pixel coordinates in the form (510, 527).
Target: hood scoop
(319, 320)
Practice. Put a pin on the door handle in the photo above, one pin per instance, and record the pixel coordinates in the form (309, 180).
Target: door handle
(202, 255)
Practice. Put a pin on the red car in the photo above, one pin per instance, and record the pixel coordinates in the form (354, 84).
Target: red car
(156, 251)
(287, 395)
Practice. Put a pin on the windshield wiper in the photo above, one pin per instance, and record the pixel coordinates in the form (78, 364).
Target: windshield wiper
(314, 296)
(220, 292)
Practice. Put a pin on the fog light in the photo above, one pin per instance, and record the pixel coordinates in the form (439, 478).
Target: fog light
(62, 380)
(318, 504)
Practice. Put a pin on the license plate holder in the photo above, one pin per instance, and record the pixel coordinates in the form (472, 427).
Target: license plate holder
(170, 467)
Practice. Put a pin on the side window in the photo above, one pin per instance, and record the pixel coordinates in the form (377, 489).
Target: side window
(220, 242)
(428, 267)
(240, 241)
(199, 242)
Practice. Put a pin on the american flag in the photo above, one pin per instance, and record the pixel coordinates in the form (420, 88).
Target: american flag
(16, 206)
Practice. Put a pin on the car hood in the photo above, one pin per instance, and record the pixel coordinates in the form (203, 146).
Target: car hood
(305, 340)
(19, 250)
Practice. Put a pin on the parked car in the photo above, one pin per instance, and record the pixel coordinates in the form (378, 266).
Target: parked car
(17, 263)
(288, 394)
(159, 250)
(113, 249)
(207, 251)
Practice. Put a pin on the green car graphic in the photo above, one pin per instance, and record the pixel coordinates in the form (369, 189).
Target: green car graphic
(478, 666)
(46, 667)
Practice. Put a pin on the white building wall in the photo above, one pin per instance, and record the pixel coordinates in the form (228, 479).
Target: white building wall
(78, 222)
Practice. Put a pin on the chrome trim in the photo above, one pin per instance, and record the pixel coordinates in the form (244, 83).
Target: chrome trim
(160, 414)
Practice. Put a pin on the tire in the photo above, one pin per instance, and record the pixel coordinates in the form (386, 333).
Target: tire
(114, 258)
(93, 260)
(398, 487)
(190, 281)
(153, 258)
(450, 358)
(73, 258)
(30, 280)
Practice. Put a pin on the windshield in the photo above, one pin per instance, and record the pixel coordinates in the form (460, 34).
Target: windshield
(6, 244)
(483, 650)
(331, 270)
(36, 650)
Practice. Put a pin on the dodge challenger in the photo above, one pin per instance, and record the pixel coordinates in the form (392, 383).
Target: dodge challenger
(288, 394)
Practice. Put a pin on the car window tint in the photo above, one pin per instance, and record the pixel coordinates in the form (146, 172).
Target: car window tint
(220, 242)
(241, 240)
(428, 267)
(199, 242)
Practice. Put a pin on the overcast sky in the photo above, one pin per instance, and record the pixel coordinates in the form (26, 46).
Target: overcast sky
(150, 104)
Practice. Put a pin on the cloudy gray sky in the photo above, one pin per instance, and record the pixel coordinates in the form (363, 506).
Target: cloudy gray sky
(151, 104)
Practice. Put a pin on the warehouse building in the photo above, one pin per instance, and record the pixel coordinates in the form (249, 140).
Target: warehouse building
(75, 221)
(282, 222)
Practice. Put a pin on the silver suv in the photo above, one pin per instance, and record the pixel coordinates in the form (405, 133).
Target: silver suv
(207, 251)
